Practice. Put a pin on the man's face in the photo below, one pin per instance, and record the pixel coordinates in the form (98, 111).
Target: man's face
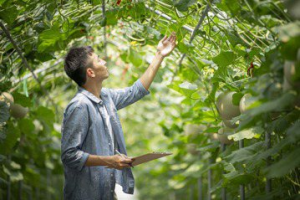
(99, 67)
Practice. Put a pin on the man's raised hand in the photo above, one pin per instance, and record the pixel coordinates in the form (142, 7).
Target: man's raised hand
(167, 44)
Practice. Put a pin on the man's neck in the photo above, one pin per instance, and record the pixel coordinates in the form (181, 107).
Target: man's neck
(94, 88)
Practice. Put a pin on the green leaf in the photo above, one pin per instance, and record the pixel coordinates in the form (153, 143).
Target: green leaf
(12, 136)
(46, 115)
(9, 14)
(103, 21)
(2, 1)
(236, 98)
(234, 176)
(254, 132)
(49, 38)
(275, 105)
(176, 86)
(224, 59)
(13, 175)
(183, 5)
(26, 126)
(245, 154)
(132, 56)
(185, 47)
(288, 162)
(25, 89)
(111, 18)
(22, 100)
(4, 111)
(234, 39)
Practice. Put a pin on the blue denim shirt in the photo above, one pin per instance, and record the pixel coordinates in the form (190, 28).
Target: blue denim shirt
(85, 132)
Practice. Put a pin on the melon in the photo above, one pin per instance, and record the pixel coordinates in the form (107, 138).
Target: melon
(7, 97)
(18, 111)
(245, 103)
(223, 135)
(192, 148)
(225, 106)
(193, 129)
(229, 124)
(214, 136)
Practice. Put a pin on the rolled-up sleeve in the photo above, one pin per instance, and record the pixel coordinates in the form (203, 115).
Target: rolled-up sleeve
(74, 130)
(126, 96)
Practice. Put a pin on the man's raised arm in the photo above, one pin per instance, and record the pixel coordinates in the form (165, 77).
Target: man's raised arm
(164, 48)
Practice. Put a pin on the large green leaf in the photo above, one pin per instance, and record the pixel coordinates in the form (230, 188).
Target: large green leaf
(49, 38)
(224, 59)
(46, 115)
(254, 132)
(245, 154)
(284, 166)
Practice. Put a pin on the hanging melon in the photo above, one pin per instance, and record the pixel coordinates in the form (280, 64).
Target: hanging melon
(7, 97)
(245, 103)
(18, 111)
(225, 106)
(223, 135)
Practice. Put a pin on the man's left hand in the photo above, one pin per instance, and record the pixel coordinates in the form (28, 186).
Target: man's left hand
(167, 44)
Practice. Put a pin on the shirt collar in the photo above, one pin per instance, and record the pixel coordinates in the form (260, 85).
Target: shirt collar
(90, 95)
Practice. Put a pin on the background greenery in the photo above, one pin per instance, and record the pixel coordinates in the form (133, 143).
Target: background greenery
(232, 35)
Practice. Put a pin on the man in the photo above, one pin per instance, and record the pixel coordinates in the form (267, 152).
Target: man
(91, 129)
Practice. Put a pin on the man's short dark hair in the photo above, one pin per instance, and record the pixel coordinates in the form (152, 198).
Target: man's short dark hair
(76, 63)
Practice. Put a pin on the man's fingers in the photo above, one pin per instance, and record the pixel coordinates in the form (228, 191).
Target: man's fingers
(173, 39)
(164, 38)
(170, 38)
(124, 156)
(123, 166)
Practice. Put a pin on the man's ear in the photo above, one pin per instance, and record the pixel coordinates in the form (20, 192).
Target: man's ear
(90, 72)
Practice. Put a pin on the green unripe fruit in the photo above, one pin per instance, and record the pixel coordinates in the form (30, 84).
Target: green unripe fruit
(225, 106)
(18, 111)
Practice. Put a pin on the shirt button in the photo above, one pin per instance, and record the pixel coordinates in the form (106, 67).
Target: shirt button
(109, 144)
